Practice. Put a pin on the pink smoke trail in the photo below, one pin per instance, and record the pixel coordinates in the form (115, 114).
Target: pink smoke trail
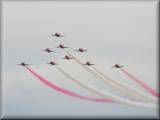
(64, 91)
(141, 83)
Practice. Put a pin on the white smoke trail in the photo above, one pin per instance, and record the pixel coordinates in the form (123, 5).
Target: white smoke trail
(108, 95)
(125, 88)
(130, 92)
(73, 79)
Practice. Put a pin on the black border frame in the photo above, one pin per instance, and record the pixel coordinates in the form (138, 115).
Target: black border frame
(80, 117)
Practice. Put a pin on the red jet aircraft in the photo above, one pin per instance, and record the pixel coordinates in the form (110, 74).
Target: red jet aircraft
(117, 66)
(61, 46)
(88, 63)
(58, 35)
(23, 64)
(81, 50)
(67, 57)
(48, 50)
(52, 63)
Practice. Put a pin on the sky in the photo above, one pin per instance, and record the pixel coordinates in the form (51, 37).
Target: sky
(123, 32)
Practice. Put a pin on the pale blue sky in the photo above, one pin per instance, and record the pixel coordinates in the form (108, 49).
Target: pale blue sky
(114, 32)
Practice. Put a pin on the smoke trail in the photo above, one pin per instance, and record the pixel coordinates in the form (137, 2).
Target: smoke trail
(108, 95)
(116, 85)
(124, 87)
(73, 79)
(64, 91)
(141, 83)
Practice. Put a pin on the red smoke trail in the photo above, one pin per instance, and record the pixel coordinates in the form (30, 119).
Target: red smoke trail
(64, 91)
(141, 83)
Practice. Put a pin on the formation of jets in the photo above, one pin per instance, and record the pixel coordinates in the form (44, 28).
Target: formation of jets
(66, 56)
